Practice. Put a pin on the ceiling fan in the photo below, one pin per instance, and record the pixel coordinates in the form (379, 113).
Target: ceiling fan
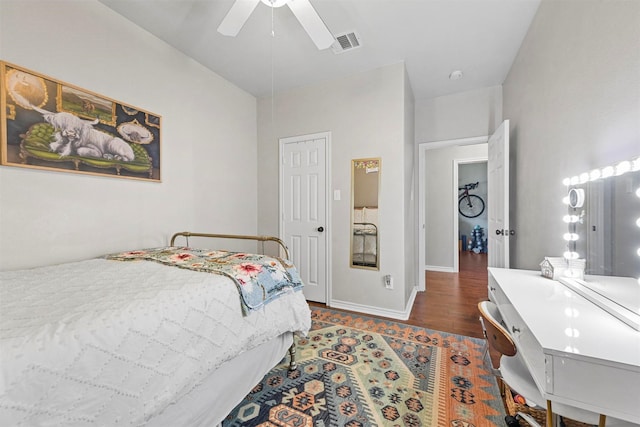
(302, 9)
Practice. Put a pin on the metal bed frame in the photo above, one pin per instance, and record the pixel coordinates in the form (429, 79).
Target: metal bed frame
(187, 234)
(367, 229)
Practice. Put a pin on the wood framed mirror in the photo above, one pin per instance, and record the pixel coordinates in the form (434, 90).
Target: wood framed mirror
(365, 186)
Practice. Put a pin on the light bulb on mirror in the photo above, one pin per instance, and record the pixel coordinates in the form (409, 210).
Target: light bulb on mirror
(608, 171)
(623, 167)
(569, 219)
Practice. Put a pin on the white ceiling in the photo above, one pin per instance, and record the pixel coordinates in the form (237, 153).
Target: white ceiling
(432, 37)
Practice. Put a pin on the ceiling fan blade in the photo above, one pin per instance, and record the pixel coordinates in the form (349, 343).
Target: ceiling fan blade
(237, 16)
(312, 23)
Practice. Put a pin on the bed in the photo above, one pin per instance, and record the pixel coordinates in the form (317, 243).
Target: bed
(147, 337)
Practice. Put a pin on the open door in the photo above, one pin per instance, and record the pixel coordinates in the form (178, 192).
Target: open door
(498, 185)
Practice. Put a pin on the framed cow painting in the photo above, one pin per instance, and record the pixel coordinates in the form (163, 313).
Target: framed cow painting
(49, 124)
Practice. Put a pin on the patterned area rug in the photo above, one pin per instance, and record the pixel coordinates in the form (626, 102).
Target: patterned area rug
(359, 371)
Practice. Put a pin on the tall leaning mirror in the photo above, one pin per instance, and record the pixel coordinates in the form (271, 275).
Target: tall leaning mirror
(365, 184)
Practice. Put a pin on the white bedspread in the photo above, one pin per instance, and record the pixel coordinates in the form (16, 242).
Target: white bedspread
(113, 343)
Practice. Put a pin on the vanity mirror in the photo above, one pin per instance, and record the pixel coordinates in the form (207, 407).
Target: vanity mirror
(365, 184)
(603, 221)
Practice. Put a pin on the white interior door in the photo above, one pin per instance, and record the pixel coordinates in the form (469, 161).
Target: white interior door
(498, 188)
(303, 184)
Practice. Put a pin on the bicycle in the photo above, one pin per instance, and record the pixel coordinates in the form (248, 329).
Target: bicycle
(470, 205)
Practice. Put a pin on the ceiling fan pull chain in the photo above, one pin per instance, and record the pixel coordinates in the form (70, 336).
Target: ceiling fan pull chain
(273, 31)
(273, 36)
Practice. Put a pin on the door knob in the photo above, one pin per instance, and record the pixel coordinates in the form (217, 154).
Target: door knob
(321, 229)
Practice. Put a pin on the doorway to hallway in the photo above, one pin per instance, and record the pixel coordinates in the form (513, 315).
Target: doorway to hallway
(438, 201)
(471, 230)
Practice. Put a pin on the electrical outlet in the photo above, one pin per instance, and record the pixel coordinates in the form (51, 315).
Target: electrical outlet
(388, 281)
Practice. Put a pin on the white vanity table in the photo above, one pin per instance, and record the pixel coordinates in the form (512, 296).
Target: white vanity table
(619, 296)
(578, 353)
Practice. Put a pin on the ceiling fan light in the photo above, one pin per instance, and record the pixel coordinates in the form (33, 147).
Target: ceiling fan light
(274, 3)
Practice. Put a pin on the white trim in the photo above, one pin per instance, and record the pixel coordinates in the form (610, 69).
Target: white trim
(420, 224)
(456, 218)
(439, 268)
(328, 228)
(377, 311)
(451, 142)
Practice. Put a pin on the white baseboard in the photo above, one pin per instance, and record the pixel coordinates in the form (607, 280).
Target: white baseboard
(439, 268)
(377, 311)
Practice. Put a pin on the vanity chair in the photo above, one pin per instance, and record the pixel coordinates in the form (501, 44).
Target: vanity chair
(513, 373)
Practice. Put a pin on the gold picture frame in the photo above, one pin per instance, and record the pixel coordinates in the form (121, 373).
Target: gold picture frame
(52, 125)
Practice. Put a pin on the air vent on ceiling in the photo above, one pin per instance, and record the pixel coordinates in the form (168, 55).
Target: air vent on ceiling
(346, 41)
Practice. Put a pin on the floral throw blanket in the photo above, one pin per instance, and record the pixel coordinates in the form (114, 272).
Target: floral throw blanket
(259, 278)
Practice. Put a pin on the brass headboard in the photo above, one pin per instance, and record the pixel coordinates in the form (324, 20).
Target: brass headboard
(187, 234)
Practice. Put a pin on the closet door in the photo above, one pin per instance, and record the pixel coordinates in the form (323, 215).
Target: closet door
(304, 209)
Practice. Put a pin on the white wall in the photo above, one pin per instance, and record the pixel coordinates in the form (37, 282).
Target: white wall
(410, 205)
(208, 135)
(366, 116)
(573, 99)
(461, 115)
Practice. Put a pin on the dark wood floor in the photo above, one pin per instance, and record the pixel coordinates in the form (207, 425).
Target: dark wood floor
(450, 301)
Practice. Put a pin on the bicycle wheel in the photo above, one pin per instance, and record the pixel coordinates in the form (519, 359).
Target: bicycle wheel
(471, 206)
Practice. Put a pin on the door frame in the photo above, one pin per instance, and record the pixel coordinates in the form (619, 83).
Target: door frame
(328, 227)
(456, 216)
(420, 224)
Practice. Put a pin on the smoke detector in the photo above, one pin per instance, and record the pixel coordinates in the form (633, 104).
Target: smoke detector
(455, 75)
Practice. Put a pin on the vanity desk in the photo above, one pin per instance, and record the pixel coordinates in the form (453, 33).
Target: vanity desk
(577, 352)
